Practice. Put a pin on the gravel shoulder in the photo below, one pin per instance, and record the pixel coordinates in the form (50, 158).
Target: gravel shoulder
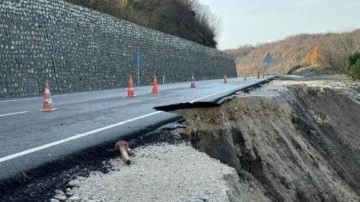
(160, 172)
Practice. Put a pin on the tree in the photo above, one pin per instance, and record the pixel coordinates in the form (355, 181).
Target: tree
(353, 65)
(183, 18)
(336, 49)
(314, 55)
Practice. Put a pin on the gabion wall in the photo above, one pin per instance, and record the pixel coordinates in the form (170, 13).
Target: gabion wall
(79, 49)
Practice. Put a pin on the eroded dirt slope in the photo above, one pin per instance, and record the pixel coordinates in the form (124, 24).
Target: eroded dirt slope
(295, 143)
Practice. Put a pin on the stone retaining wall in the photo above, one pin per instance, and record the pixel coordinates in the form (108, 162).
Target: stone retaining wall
(78, 49)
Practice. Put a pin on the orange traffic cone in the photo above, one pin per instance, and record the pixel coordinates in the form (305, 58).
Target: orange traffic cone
(192, 82)
(47, 106)
(225, 79)
(131, 87)
(155, 89)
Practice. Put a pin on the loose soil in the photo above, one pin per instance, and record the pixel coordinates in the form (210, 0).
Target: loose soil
(296, 140)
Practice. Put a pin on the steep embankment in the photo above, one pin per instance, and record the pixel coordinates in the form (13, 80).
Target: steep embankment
(288, 141)
(299, 144)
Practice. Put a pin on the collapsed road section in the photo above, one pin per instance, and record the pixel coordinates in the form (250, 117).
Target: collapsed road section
(288, 141)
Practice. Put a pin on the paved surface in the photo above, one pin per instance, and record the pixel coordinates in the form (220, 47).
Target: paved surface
(29, 138)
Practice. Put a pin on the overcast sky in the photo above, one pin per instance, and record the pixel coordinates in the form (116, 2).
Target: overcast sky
(259, 21)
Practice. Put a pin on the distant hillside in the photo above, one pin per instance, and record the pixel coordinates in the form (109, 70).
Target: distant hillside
(186, 19)
(329, 50)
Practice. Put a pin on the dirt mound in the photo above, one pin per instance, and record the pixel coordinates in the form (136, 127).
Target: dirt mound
(300, 144)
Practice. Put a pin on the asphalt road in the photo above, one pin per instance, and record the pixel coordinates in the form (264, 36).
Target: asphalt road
(30, 138)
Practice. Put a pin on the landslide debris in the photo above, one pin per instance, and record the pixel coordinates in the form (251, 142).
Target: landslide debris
(295, 141)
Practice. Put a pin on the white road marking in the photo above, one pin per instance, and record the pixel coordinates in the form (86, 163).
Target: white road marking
(77, 136)
(14, 113)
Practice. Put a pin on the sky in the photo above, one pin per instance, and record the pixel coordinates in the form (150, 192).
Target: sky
(252, 22)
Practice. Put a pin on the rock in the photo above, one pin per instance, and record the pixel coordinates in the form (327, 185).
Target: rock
(176, 135)
(74, 199)
(85, 199)
(186, 131)
(89, 200)
(60, 197)
(181, 132)
(198, 200)
(69, 192)
(59, 192)
(74, 183)
(171, 126)
(81, 178)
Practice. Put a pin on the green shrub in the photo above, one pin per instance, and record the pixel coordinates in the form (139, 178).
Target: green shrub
(353, 66)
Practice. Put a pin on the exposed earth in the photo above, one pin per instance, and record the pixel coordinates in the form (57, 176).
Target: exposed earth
(294, 139)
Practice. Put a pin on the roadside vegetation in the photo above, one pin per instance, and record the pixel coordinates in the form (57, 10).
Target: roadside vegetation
(186, 19)
(334, 51)
(353, 65)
